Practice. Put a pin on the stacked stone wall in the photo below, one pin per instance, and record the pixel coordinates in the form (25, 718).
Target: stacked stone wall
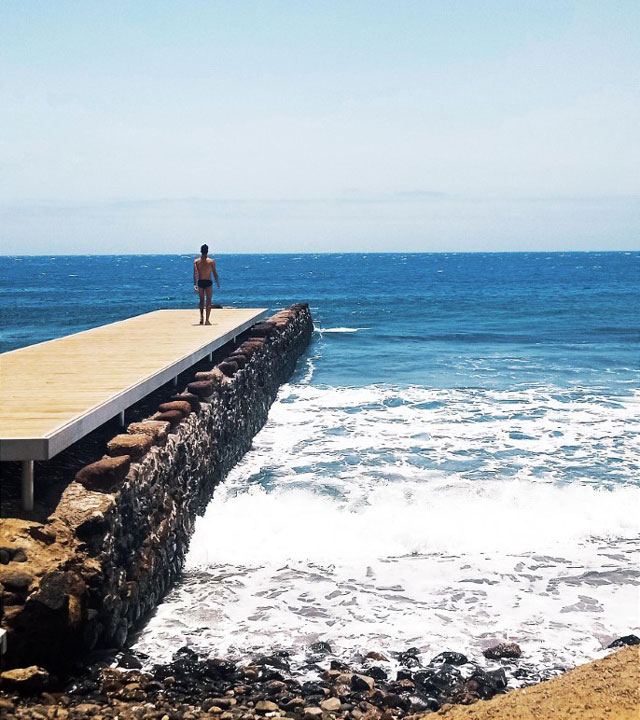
(118, 537)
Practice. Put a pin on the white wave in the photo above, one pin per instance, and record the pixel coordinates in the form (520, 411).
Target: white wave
(381, 517)
(339, 330)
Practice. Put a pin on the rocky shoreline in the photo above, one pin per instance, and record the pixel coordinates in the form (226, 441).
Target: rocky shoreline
(193, 687)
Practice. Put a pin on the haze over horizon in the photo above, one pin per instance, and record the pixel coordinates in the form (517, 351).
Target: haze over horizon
(305, 127)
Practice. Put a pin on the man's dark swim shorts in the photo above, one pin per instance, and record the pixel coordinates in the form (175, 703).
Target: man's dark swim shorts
(205, 283)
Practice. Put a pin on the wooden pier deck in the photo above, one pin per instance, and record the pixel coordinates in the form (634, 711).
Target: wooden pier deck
(56, 392)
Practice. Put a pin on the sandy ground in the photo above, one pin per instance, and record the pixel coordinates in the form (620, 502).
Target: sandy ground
(606, 689)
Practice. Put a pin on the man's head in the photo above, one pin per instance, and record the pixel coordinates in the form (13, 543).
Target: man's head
(204, 249)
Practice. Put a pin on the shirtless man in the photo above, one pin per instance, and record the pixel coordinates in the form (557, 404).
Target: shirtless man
(203, 267)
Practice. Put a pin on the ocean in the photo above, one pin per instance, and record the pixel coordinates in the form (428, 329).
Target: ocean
(456, 460)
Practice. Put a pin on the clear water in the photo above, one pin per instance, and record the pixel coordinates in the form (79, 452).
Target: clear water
(456, 461)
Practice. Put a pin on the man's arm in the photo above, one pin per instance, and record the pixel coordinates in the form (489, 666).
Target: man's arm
(215, 273)
(195, 274)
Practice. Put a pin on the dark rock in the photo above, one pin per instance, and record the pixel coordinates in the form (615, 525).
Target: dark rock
(362, 683)
(263, 329)
(201, 388)
(104, 474)
(56, 587)
(130, 661)
(276, 660)
(321, 648)
(5, 555)
(135, 446)
(409, 658)
(310, 689)
(19, 555)
(228, 367)
(379, 657)
(452, 658)
(503, 650)
(377, 673)
(625, 640)
(489, 683)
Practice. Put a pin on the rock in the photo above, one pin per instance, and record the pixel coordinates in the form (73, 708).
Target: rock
(131, 662)
(263, 329)
(331, 704)
(503, 650)
(378, 657)
(625, 640)
(453, 658)
(265, 706)
(27, 680)
(104, 474)
(409, 658)
(362, 682)
(173, 417)
(228, 367)
(157, 430)
(489, 683)
(181, 405)
(321, 648)
(224, 703)
(6, 706)
(5, 555)
(55, 588)
(377, 673)
(239, 359)
(17, 580)
(201, 388)
(135, 446)
(19, 555)
(309, 713)
(190, 398)
(42, 534)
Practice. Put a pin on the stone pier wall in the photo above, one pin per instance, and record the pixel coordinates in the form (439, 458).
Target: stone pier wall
(118, 537)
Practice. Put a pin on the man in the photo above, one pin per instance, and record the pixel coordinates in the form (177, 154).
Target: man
(203, 267)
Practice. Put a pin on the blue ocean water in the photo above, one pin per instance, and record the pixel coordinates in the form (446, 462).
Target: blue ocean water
(455, 461)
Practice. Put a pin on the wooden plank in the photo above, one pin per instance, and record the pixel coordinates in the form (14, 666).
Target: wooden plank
(55, 392)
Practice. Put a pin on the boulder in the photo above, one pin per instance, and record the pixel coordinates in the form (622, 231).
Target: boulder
(15, 580)
(104, 474)
(27, 680)
(190, 398)
(362, 682)
(453, 658)
(228, 367)
(180, 405)
(173, 417)
(135, 446)
(503, 650)
(42, 534)
(157, 430)
(625, 640)
(201, 388)
(331, 704)
(238, 359)
(262, 329)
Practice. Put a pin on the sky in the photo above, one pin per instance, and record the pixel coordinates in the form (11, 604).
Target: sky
(434, 125)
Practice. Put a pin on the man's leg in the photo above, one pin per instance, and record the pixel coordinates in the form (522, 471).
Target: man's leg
(209, 294)
(201, 293)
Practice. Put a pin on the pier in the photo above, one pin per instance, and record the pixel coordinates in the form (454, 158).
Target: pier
(56, 392)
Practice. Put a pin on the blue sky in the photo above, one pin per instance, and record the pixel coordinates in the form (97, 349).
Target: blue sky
(319, 126)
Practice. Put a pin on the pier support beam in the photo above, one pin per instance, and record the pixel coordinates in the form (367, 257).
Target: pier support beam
(174, 382)
(27, 485)
(121, 418)
(210, 357)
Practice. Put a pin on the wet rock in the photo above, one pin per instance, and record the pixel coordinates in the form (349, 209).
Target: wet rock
(157, 430)
(27, 680)
(263, 329)
(104, 474)
(320, 648)
(503, 650)
(179, 405)
(489, 683)
(5, 555)
(378, 657)
(409, 658)
(201, 388)
(239, 359)
(130, 661)
(276, 660)
(452, 658)
(625, 640)
(135, 446)
(377, 673)
(362, 682)
(312, 712)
